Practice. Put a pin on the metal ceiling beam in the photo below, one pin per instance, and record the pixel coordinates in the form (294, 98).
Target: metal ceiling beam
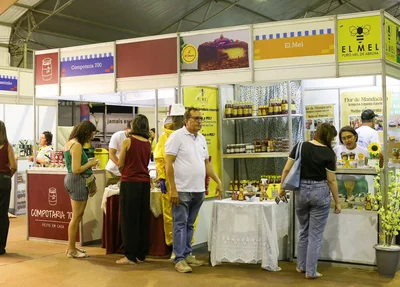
(216, 14)
(184, 16)
(94, 23)
(250, 11)
(333, 5)
(66, 36)
(355, 7)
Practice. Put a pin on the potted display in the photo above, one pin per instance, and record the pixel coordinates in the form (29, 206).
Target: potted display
(387, 253)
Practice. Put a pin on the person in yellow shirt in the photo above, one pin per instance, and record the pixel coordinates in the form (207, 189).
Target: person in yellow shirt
(173, 122)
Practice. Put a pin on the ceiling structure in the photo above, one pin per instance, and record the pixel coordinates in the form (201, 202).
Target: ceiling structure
(28, 25)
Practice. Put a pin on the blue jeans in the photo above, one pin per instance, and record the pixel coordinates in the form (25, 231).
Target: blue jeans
(183, 216)
(312, 209)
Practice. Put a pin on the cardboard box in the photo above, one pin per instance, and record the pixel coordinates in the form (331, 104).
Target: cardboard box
(391, 146)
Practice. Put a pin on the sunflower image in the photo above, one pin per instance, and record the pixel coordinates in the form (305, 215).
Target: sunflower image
(374, 149)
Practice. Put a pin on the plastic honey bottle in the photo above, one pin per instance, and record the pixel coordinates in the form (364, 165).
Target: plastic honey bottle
(231, 186)
(240, 110)
(271, 107)
(236, 186)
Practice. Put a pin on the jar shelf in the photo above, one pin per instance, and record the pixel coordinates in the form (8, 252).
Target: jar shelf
(256, 155)
(262, 117)
(356, 171)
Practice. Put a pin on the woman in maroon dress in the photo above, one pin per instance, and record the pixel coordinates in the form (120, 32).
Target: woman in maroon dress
(135, 191)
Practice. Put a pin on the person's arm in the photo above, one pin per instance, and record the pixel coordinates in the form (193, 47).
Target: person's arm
(333, 186)
(113, 155)
(76, 154)
(211, 173)
(11, 160)
(125, 147)
(169, 171)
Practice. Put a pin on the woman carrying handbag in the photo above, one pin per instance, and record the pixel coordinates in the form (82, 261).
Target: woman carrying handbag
(317, 164)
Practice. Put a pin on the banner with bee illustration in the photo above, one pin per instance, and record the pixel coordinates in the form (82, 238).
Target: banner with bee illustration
(392, 41)
(359, 39)
(206, 100)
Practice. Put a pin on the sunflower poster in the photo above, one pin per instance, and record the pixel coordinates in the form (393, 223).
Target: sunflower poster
(206, 100)
(316, 115)
(355, 102)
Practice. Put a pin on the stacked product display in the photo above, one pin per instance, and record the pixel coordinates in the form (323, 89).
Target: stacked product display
(267, 188)
(276, 106)
(264, 145)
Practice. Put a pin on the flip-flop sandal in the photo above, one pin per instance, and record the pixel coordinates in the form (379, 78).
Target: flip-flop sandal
(319, 275)
(77, 254)
(125, 261)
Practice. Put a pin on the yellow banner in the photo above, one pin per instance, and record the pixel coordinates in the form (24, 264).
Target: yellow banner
(206, 99)
(391, 31)
(359, 39)
(354, 103)
(316, 115)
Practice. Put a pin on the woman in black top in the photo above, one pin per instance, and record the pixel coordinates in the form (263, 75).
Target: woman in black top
(318, 165)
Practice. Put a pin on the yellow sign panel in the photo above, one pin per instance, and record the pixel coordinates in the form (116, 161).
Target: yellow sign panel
(390, 40)
(359, 39)
(189, 54)
(206, 100)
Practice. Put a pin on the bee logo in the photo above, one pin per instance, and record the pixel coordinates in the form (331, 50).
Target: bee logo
(360, 32)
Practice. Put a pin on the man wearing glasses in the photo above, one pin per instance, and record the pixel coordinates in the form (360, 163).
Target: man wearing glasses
(186, 165)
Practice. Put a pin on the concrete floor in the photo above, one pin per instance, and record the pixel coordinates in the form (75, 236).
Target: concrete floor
(29, 263)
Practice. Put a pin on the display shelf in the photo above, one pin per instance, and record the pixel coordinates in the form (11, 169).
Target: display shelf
(256, 155)
(358, 171)
(262, 117)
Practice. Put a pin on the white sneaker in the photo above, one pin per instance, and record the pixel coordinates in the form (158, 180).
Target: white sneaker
(172, 258)
(183, 267)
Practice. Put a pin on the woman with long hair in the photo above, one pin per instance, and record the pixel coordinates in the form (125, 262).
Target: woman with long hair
(79, 168)
(135, 192)
(313, 198)
(8, 167)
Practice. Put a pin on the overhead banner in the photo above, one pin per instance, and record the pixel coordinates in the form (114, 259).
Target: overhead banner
(392, 51)
(359, 39)
(352, 104)
(316, 115)
(147, 58)
(215, 51)
(8, 81)
(279, 45)
(206, 99)
(87, 69)
(47, 73)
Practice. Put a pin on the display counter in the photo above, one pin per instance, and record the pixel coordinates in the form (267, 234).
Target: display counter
(49, 207)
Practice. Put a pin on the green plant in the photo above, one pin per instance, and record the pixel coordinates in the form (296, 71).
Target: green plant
(390, 212)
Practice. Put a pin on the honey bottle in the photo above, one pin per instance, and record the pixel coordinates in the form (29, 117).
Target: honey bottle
(241, 195)
(285, 106)
(271, 107)
(293, 106)
(231, 186)
(276, 107)
(234, 110)
(228, 110)
(240, 110)
(262, 193)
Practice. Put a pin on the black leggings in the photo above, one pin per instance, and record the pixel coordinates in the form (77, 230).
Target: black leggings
(5, 193)
(134, 200)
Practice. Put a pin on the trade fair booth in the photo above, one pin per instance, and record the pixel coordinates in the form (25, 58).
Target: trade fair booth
(261, 88)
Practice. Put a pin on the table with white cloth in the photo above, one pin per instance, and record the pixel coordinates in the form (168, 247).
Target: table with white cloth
(249, 232)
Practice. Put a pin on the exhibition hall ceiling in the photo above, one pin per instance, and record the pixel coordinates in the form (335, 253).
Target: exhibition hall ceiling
(46, 24)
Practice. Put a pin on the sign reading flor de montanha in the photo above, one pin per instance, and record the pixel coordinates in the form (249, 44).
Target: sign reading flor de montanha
(86, 65)
(8, 83)
(359, 39)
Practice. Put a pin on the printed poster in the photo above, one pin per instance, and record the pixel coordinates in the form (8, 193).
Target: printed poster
(359, 39)
(391, 35)
(206, 99)
(215, 51)
(316, 115)
(354, 103)
(8, 81)
(293, 41)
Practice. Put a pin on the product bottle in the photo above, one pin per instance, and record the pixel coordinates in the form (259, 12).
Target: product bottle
(276, 107)
(262, 193)
(271, 107)
(240, 110)
(241, 195)
(231, 186)
(234, 110)
(284, 106)
(236, 186)
(228, 110)
(293, 107)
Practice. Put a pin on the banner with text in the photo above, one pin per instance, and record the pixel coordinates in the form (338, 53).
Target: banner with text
(304, 43)
(316, 115)
(87, 69)
(8, 82)
(206, 99)
(359, 38)
(49, 209)
(392, 37)
(354, 103)
(215, 51)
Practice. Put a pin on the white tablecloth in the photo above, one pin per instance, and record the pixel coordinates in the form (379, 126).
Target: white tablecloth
(248, 232)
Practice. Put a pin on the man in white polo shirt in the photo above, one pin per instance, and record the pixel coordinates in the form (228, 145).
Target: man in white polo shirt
(186, 165)
(113, 176)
